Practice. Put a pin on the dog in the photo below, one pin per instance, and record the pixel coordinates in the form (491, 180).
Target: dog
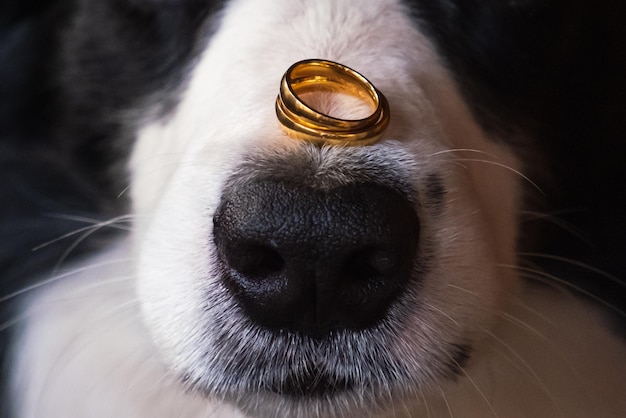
(255, 275)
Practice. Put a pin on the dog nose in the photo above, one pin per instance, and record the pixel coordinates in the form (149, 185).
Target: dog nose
(313, 261)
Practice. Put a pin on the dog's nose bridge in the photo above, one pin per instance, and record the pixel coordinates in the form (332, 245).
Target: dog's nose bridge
(312, 260)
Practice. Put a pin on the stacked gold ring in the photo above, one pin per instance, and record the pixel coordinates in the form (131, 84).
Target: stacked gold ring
(302, 122)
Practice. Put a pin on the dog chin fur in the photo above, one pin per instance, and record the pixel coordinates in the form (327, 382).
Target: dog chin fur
(148, 329)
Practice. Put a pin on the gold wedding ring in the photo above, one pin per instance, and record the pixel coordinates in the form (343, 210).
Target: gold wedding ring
(302, 122)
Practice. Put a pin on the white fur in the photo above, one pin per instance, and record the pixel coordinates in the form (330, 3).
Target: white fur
(113, 339)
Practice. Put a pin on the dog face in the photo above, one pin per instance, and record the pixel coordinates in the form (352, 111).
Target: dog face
(279, 273)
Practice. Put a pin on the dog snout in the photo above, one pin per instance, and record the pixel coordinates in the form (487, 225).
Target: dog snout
(311, 261)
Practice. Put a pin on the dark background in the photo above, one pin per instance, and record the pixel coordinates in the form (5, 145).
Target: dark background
(556, 69)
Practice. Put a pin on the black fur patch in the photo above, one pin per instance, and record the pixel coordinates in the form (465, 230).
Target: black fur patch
(435, 193)
(562, 85)
(311, 385)
(68, 69)
(459, 357)
(136, 61)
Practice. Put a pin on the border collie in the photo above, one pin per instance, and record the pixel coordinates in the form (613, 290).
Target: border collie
(259, 276)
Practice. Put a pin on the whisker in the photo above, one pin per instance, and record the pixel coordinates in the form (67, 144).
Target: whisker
(543, 277)
(107, 282)
(478, 390)
(123, 191)
(76, 243)
(211, 410)
(87, 219)
(406, 407)
(13, 321)
(457, 150)
(95, 224)
(56, 278)
(71, 349)
(425, 401)
(139, 380)
(26, 314)
(576, 263)
(548, 343)
(561, 223)
(445, 400)
(518, 302)
(554, 218)
(476, 160)
(516, 321)
(528, 368)
(508, 168)
(442, 313)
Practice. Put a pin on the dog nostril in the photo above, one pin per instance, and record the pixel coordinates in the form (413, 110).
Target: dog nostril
(311, 261)
(367, 265)
(257, 261)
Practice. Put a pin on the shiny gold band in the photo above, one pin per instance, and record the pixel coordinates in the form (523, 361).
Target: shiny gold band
(302, 122)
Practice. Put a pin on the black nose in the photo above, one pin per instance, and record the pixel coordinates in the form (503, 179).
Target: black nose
(312, 261)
